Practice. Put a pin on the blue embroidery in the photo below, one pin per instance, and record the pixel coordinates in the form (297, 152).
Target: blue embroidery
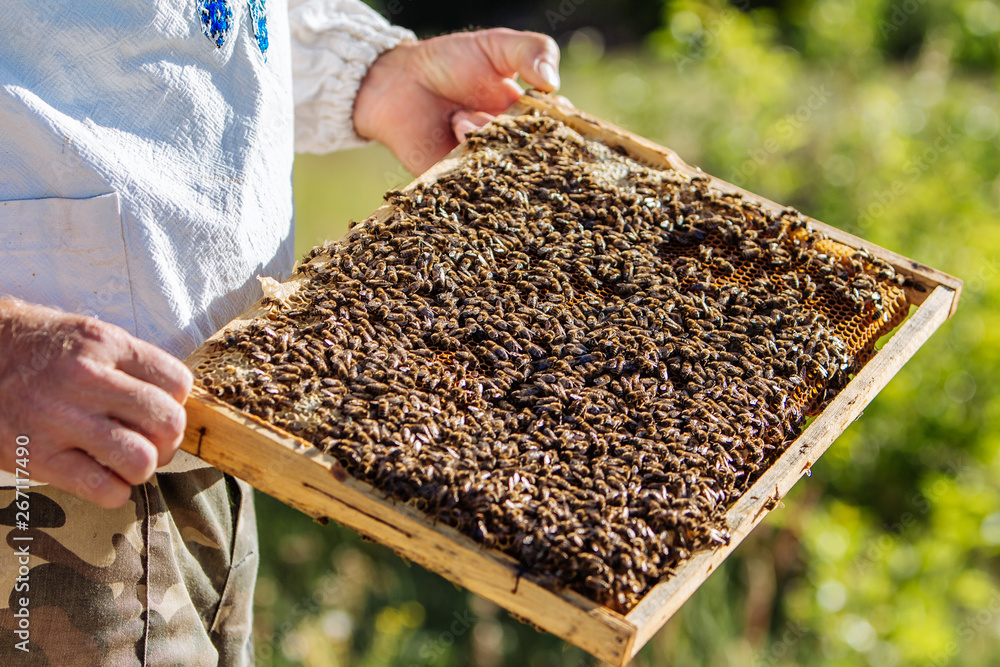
(216, 20)
(258, 23)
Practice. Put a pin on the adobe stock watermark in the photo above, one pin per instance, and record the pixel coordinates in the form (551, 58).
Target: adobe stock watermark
(563, 12)
(703, 43)
(983, 620)
(460, 625)
(907, 521)
(49, 347)
(818, 98)
(49, 344)
(984, 276)
(307, 606)
(20, 600)
(899, 14)
(912, 170)
(443, 135)
(782, 646)
(463, 622)
(91, 478)
(393, 8)
(431, 145)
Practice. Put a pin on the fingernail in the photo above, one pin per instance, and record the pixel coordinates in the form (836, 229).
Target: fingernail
(463, 127)
(547, 71)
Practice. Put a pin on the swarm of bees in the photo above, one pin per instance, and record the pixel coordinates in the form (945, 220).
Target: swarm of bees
(571, 357)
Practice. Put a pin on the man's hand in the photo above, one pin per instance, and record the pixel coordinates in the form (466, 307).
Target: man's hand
(102, 409)
(421, 98)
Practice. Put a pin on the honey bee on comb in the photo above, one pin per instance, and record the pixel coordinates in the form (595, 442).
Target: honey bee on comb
(569, 356)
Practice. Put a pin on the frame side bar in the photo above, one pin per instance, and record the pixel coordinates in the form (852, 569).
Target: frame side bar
(666, 598)
(644, 150)
(301, 476)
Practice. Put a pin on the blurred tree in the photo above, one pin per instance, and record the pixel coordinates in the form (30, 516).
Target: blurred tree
(622, 21)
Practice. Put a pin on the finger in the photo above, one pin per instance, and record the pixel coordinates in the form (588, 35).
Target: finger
(97, 391)
(494, 97)
(148, 410)
(151, 364)
(123, 451)
(430, 123)
(532, 55)
(74, 471)
(464, 122)
(119, 446)
(138, 358)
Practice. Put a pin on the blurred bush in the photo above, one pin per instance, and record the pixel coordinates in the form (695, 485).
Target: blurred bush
(879, 117)
(621, 21)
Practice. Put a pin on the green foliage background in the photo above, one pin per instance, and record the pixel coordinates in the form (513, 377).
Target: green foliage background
(879, 117)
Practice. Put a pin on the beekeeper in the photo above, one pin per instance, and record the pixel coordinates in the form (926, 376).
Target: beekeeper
(145, 179)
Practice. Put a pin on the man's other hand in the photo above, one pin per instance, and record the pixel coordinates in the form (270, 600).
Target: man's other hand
(421, 98)
(101, 408)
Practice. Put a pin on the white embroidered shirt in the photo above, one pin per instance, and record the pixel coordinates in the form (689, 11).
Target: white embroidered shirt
(146, 150)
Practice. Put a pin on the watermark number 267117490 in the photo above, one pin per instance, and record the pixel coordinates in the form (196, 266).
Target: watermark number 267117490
(20, 600)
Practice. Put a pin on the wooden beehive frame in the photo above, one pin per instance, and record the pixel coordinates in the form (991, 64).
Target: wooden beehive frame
(298, 474)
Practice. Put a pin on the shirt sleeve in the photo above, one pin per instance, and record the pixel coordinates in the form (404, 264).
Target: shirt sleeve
(334, 42)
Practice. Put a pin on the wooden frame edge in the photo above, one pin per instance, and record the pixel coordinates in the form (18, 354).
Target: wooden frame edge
(609, 636)
(665, 599)
(642, 149)
(301, 476)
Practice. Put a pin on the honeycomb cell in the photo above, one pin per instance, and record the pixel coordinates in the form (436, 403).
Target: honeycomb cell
(567, 355)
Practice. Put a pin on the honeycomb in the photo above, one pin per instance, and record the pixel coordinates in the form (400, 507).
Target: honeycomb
(571, 357)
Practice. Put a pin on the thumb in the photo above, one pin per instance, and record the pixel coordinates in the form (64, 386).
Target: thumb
(464, 122)
(532, 55)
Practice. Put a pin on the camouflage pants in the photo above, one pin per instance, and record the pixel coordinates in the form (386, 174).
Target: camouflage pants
(165, 580)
